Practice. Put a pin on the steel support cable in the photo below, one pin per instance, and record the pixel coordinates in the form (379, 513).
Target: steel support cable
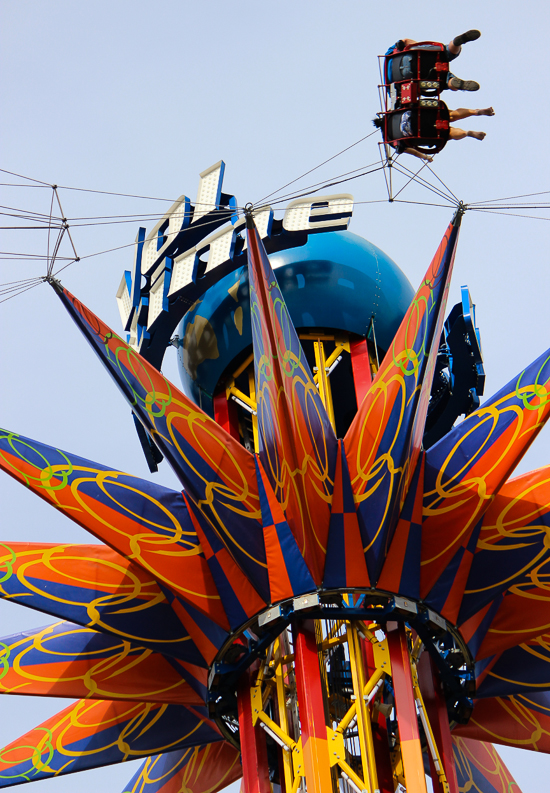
(424, 183)
(54, 275)
(6, 290)
(135, 216)
(332, 184)
(217, 207)
(131, 244)
(399, 165)
(106, 192)
(66, 227)
(16, 256)
(107, 223)
(19, 287)
(28, 218)
(128, 245)
(513, 206)
(14, 184)
(49, 232)
(40, 281)
(10, 286)
(413, 177)
(373, 201)
(386, 170)
(506, 214)
(508, 198)
(28, 178)
(303, 190)
(423, 203)
(55, 251)
(81, 189)
(110, 219)
(293, 181)
(29, 212)
(28, 215)
(105, 220)
(443, 183)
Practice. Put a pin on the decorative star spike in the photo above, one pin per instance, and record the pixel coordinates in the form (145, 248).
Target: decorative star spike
(66, 660)
(465, 469)
(522, 720)
(112, 732)
(217, 473)
(145, 522)
(94, 586)
(297, 442)
(479, 767)
(203, 632)
(401, 571)
(525, 668)
(520, 615)
(383, 441)
(345, 566)
(203, 769)
(515, 527)
(288, 572)
(240, 599)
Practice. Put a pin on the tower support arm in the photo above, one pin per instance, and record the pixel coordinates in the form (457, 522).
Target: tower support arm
(312, 710)
(409, 736)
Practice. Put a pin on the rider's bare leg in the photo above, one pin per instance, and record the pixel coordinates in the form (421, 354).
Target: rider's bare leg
(459, 134)
(464, 112)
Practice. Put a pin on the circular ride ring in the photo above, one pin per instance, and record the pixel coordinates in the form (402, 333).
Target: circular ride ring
(351, 663)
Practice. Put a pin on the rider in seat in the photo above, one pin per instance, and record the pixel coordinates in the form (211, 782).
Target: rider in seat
(424, 131)
(409, 59)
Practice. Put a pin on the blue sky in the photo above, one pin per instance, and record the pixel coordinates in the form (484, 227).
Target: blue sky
(138, 98)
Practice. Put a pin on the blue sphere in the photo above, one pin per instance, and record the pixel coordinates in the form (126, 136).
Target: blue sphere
(336, 281)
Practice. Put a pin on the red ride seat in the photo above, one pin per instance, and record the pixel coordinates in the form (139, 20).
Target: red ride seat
(425, 61)
(429, 124)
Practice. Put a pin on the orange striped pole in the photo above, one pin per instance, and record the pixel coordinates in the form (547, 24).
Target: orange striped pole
(309, 688)
(409, 736)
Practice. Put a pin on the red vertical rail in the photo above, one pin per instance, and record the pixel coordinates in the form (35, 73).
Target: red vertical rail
(309, 688)
(436, 709)
(253, 745)
(225, 414)
(409, 736)
(360, 364)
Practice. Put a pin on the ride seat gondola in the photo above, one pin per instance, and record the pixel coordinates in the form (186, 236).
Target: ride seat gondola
(426, 63)
(424, 128)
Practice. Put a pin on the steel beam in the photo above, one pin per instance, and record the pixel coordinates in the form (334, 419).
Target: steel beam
(430, 686)
(380, 741)
(312, 709)
(360, 364)
(253, 745)
(409, 736)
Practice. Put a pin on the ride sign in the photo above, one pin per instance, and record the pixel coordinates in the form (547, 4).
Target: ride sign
(194, 245)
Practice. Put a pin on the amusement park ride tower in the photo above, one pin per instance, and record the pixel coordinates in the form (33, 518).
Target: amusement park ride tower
(319, 609)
